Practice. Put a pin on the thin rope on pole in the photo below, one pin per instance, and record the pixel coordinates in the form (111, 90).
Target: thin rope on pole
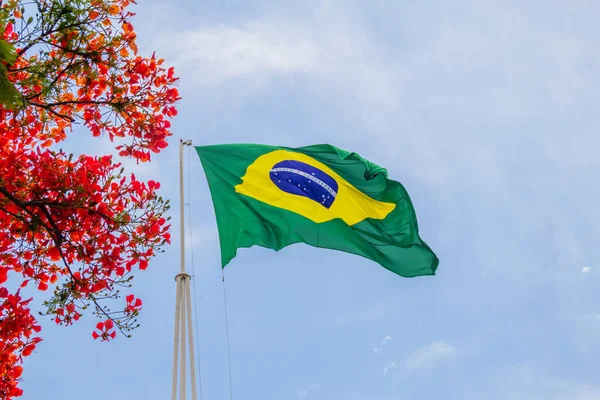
(194, 275)
(227, 335)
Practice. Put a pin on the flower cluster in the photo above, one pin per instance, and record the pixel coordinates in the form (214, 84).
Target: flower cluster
(76, 226)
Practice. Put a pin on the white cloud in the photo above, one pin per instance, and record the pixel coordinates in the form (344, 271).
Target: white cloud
(384, 341)
(341, 54)
(216, 55)
(525, 382)
(388, 367)
(304, 392)
(429, 355)
(337, 56)
(585, 270)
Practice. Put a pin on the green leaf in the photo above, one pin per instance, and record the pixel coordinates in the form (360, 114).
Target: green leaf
(7, 52)
(9, 95)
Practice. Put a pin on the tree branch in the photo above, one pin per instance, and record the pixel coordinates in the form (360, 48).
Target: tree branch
(49, 108)
(91, 54)
(20, 204)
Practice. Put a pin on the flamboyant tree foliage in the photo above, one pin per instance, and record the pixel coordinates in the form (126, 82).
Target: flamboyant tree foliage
(75, 227)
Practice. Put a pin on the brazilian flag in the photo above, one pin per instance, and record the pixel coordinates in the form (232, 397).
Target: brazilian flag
(319, 195)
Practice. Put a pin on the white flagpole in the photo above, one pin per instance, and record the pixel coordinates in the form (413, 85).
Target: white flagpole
(183, 308)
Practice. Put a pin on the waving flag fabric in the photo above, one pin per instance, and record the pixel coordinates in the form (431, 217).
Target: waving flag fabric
(319, 195)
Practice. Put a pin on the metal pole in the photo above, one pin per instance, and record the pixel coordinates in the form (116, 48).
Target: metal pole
(181, 213)
(176, 336)
(182, 339)
(183, 307)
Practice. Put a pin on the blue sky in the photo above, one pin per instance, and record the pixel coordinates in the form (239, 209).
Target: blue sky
(485, 110)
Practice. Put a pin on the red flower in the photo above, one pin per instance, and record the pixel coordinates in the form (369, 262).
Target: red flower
(133, 305)
(77, 223)
(104, 330)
